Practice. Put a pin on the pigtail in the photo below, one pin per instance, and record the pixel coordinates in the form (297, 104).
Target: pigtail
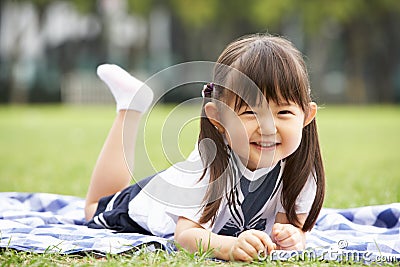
(215, 156)
(305, 160)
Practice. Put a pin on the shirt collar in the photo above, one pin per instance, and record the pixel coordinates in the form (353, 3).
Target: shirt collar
(251, 175)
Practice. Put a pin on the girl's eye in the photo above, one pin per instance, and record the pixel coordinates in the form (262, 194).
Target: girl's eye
(285, 112)
(248, 112)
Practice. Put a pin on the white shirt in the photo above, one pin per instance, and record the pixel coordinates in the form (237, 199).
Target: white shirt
(178, 192)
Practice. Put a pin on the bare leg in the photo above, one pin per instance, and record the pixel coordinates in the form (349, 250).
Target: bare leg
(113, 168)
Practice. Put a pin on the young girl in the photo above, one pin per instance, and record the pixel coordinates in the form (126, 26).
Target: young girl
(255, 181)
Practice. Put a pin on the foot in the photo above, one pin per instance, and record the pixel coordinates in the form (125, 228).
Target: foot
(128, 92)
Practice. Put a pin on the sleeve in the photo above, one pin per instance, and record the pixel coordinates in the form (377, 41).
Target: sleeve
(191, 209)
(192, 190)
(305, 199)
(172, 193)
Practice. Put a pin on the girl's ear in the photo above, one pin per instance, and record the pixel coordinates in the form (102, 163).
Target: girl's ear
(212, 114)
(312, 111)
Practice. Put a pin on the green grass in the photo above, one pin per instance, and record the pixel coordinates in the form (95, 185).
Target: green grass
(360, 146)
(53, 149)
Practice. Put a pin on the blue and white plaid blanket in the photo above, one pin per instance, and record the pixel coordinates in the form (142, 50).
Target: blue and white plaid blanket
(43, 222)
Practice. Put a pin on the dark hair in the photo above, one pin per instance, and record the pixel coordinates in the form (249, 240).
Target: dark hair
(277, 68)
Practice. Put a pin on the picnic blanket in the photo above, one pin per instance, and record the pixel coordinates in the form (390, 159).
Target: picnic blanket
(42, 222)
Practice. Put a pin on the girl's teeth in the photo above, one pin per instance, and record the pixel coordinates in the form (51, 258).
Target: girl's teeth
(266, 144)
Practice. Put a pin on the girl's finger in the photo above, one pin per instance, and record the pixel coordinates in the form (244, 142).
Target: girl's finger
(241, 255)
(247, 245)
(284, 231)
(251, 243)
(277, 227)
(265, 240)
(290, 240)
(279, 231)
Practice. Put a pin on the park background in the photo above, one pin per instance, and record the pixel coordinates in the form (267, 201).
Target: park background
(55, 113)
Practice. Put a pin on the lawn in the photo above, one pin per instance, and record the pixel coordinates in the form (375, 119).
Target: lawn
(53, 149)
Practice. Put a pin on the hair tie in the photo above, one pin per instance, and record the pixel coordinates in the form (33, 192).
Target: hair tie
(207, 90)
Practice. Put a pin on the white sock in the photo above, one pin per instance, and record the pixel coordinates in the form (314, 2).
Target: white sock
(129, 92)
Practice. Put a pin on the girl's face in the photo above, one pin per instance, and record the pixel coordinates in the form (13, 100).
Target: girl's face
(263, 135)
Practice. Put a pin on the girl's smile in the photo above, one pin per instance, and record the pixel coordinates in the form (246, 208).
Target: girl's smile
(265, 145)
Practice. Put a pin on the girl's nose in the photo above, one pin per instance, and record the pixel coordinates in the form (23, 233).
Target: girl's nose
(266, 125)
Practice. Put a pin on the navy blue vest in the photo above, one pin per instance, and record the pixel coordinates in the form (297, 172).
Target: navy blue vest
(256, 194)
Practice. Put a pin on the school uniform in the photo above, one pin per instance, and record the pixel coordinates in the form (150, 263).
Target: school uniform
(154, 204)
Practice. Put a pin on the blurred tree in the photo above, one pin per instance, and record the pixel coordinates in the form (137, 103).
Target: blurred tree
(16, 93)
(86, 6)
(358, 38)
(141, 7)
(365, 25)
(359, 26)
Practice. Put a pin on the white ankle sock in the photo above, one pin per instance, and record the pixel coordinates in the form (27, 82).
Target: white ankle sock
(129, 92)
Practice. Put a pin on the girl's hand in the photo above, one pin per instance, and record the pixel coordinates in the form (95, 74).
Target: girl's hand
(288, 237)
(250, 244)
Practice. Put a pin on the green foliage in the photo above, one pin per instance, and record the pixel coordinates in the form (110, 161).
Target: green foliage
(85, 6)
(140, 7)
(195, 13)
(39, 3)
(315, 13)
(269, 12)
